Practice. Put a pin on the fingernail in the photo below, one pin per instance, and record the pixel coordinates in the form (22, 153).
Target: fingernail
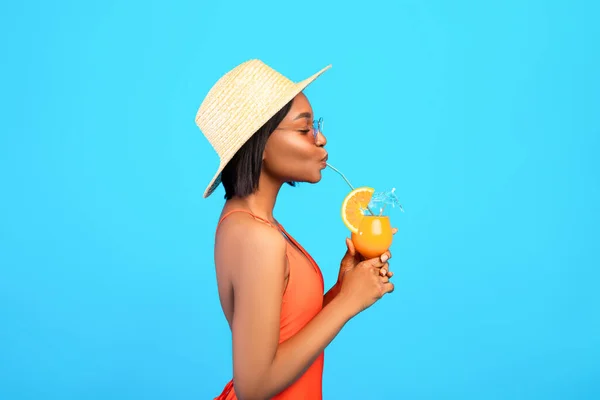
(384, 258)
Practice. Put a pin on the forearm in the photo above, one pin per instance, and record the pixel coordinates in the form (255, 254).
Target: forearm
(296, 354)
(330, 295)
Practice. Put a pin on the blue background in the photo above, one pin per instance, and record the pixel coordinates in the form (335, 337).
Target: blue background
(483, 115)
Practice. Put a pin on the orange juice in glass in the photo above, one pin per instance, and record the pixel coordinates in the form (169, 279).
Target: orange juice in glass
(362, 213)
(374, 236)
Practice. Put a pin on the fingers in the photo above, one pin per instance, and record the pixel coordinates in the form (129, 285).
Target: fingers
(350, 245)
(388, 287)
(383, 270)
(385, 256)
(380, 261)
(385, 267)
(377, 262)
(394, 231)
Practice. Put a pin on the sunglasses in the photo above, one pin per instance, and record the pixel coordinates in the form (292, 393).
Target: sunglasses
(316, 128)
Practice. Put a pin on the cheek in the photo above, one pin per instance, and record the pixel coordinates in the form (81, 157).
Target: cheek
(290, 147)
(288, 154)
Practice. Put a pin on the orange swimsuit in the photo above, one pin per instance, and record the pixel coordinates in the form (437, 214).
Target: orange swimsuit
(302, 300)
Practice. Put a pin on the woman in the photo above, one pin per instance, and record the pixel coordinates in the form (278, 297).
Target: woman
(271, 290)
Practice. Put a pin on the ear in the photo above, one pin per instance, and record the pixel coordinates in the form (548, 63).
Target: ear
(265, 152)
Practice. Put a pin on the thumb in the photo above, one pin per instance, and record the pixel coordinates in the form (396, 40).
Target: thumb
(350, 245)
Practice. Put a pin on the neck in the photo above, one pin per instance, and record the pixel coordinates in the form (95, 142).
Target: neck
(262, 202)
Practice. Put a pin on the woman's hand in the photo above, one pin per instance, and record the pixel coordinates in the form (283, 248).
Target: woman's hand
(352, 258)
(363, 285)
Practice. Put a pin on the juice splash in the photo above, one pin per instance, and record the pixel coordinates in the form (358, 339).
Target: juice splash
(381, 200)
(371, 234)
(363, 213)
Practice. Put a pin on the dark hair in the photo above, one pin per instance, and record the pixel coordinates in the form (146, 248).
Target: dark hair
(240, 175)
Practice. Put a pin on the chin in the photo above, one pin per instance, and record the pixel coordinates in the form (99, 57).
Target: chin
(315, 178)
(310, 177)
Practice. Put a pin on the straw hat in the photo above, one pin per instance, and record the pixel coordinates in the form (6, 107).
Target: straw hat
(241, 102)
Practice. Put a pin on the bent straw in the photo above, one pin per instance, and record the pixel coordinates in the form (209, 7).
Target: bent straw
(342, 175)
(347, 181)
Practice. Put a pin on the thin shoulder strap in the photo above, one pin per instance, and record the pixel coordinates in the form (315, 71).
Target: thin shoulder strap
(228, 213)
(303, 251)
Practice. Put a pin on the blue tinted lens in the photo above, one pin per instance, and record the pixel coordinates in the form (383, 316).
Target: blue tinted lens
(318, 127)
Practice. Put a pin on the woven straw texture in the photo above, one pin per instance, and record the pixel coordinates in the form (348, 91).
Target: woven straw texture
(239, 103)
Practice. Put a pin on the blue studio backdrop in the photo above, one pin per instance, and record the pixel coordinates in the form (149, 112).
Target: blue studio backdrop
(483, 115)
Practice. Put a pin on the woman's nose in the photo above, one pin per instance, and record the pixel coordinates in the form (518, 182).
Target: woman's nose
(320, 140)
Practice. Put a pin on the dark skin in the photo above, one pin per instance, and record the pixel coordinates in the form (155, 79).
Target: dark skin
(252, 280)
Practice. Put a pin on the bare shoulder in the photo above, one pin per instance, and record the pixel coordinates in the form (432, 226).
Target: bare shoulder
(243, 242)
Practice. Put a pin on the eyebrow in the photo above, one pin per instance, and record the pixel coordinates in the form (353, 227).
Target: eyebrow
(303, 115)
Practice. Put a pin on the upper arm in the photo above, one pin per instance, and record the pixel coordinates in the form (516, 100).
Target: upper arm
(257, 270)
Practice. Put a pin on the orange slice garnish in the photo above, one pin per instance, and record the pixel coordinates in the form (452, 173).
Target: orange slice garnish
(352, 208)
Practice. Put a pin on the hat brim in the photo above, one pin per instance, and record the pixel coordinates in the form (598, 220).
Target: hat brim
(285, 98)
